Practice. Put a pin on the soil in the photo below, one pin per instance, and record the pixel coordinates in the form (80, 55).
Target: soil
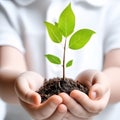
(58, 85)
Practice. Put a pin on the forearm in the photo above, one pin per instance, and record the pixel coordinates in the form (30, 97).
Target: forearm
(12, 63)
(113, 74)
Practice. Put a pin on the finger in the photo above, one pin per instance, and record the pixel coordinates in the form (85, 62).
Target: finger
(96, 92)
(48, 107)
(92, 106)
(26, 85)
(99, 87)
(74, 107)
(59, 113)
(86, 77)
(70, 116)
(44, 110)
(26, 94)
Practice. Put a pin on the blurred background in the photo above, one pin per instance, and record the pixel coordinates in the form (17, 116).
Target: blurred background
(15, 112)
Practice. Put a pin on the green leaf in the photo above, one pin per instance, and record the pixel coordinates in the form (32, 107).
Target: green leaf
(56, 24)
(80, 38)
(67, 21)
(53, 59)
(54, 32)
(69, 63)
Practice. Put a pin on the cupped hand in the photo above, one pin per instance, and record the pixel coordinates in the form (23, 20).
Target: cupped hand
(85, 107)
(26, 86)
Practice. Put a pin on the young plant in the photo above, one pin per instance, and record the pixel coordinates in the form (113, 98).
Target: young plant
(63, 29)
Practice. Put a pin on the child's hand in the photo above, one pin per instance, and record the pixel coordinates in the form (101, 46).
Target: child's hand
(25, 87)
(82, 106)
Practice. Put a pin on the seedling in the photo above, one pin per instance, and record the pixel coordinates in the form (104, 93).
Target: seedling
(64, 30)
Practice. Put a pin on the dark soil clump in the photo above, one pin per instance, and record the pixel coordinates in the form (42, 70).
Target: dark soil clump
(57, 85)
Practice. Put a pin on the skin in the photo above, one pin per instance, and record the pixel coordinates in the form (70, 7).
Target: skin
(18, 85)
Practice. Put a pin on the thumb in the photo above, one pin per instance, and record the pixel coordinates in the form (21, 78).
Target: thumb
(25, 94)
(26, 86)
(99, 87)
(96, 92)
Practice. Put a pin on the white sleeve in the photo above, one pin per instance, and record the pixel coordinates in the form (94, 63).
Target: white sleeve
(112, 40)
(8, 34)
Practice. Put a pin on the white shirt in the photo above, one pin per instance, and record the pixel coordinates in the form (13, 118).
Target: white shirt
(2, 110)
(22, 27)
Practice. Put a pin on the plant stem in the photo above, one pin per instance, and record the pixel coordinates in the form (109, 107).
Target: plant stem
(64, 56)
